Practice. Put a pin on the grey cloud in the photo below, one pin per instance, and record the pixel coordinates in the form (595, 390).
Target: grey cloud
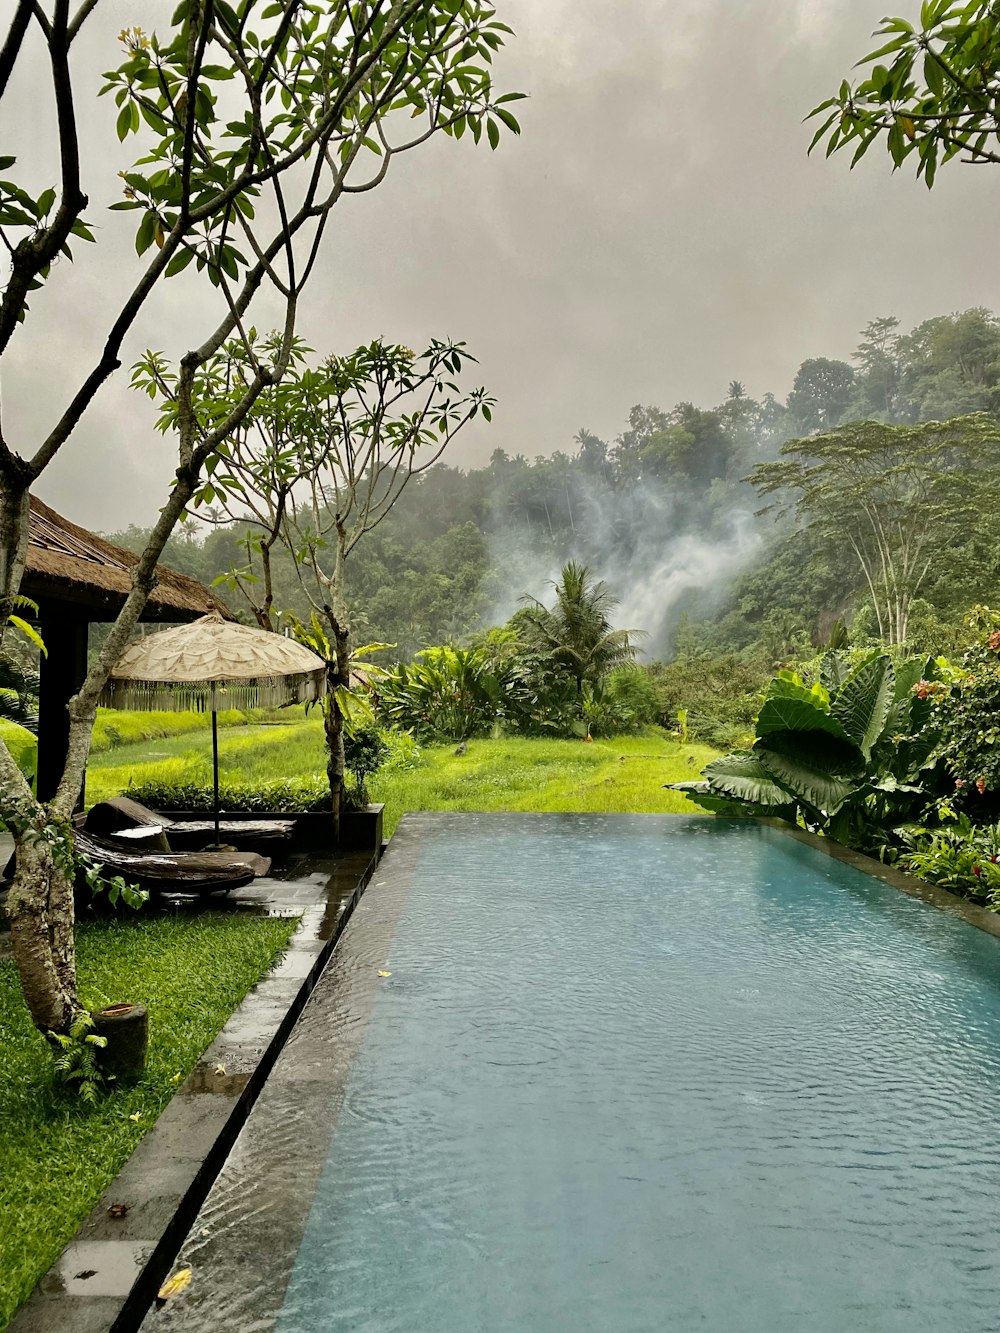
(657, 231)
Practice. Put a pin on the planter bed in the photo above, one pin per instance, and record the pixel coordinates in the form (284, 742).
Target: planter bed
(361, 830)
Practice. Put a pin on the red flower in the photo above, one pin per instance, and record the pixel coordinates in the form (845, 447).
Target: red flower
(977, 870)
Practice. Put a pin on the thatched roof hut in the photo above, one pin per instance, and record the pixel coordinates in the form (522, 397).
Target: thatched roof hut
(90, 577)
(77, 577)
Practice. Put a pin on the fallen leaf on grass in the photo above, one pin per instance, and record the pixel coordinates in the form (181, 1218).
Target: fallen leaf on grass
(136, 1116)
(174, 1285)
(118, 1209)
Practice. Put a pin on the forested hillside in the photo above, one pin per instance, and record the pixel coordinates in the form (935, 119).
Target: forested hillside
(664, 514)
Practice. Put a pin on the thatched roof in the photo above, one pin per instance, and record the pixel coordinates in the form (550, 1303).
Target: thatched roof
(68, 564)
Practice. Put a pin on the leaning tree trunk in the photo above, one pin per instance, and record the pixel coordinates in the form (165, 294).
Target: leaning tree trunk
(40, 910)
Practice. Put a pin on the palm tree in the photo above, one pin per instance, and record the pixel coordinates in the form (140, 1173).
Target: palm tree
(577, 633)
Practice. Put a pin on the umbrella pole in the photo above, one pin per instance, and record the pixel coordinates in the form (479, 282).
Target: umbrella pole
(215, 770)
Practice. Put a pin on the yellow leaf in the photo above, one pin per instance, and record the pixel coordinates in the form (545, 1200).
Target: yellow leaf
(220, 1069)
(136, 1116)
(385, 974)
(175, 1285)
(908, 127)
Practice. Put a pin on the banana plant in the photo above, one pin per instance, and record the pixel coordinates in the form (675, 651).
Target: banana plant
(850, 755)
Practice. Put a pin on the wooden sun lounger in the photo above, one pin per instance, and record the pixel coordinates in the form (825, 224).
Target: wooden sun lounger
(173, 872)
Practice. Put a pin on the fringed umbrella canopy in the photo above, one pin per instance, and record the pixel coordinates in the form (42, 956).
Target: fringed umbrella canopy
(211, 664)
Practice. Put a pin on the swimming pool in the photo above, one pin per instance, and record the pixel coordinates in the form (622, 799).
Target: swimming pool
(627, 1073)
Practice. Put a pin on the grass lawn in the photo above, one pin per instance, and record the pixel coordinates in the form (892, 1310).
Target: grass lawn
(625, 773)
(56, 1154)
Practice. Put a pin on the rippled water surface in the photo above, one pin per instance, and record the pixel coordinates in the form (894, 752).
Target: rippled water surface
(663, 1075)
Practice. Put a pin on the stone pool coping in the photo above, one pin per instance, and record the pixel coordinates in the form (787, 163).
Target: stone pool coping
(108, 1275)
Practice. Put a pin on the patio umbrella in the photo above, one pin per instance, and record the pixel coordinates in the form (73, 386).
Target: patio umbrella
(213, 663)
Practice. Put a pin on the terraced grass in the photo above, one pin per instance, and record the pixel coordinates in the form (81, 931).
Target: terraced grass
(252, 753)
(625, 773)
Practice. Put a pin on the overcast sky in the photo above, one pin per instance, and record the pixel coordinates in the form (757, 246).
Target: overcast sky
(656, 232)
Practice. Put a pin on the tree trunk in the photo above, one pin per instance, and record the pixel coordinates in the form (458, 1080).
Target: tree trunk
(40, 909)
(14, 509)
(333, 727)
(333, 719)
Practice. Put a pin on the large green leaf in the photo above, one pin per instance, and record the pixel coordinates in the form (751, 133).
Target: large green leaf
(909, 713)
(702, 794)
(812, 767)
(862, 703)
(795, 714)
(833, 671)
(789, 685)
(743, 775)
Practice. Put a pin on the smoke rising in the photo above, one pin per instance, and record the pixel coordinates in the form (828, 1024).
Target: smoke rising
(661, 552)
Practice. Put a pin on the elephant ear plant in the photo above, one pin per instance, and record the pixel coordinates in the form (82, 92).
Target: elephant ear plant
(850, 755)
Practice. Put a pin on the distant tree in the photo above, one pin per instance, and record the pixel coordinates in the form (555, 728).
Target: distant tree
(820, 394)
(593, 452)
(894, 495)
(685, 446)
(950, 366)
(938, 97)
(877, 377)
(576, 633)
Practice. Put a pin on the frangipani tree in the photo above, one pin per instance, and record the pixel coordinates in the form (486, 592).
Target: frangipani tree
(317, 463)
(255, 119)
(933, 91)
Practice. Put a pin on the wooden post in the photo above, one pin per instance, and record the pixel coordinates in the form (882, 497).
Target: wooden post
(62, 671)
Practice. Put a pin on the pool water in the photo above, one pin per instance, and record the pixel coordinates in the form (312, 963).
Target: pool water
(655, 1073)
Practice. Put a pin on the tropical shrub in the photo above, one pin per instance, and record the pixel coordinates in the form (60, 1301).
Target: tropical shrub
(285, 795)
(851, 755)
(720, 694)
(625, 703)
(966, 710)
(19, 686)
(961, 856)
(447, 693)
(365, 751)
